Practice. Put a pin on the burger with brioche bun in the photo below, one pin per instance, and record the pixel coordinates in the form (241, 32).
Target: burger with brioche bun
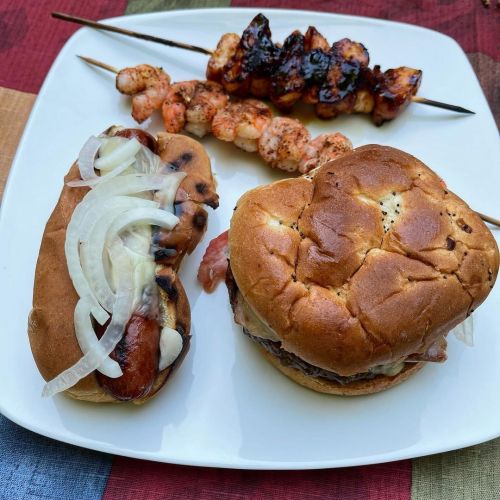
(350, 278)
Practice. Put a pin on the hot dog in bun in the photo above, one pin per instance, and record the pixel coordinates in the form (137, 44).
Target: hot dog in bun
(110, 318)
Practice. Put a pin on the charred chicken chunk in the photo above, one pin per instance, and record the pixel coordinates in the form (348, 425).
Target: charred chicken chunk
(288, 81)
(314, 64)
(393, 91)
(249, 70)
(335, 79)
(338, 92)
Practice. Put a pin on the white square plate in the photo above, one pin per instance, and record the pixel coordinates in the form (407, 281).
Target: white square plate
(226, 406)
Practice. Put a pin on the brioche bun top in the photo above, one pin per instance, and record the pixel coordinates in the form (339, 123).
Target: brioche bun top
(362, 264)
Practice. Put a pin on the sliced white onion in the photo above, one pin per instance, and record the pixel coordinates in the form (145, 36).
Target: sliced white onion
(144, 266)
(106, 229)
(109, 144)
(122, 153)
(77, 276)
(166, 195)
(130, 184)
(86, 158)
(138, 240)
(92, 261)
(102, 206)
(122, 311)
(151, 216)
(121, 185)
(84, 218)
(87, 339)
(144, 275)
(92, 247)
(149, 163)
(465, 332)
(103, 178)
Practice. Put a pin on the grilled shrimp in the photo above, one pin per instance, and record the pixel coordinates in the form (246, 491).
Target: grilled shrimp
(192, 105)
(322, 149)
(148, 87)
(174, 106)
(222, 55)
(242, 122)
(283, 143)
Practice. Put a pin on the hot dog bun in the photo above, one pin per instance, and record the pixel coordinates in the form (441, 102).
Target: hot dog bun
(50, 326)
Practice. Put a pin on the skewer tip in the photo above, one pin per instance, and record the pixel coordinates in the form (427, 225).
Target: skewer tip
(99, 64)
(442, 105)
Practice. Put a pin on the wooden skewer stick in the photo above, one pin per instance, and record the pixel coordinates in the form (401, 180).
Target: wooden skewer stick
(99, 64)
(179, 45)
(490, 220)
(443, 105)
(112, 69)
(134, 34)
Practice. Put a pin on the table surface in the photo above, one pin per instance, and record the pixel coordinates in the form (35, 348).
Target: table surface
(32, 466)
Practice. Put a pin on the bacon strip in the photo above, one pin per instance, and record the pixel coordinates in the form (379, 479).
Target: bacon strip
(213, 266)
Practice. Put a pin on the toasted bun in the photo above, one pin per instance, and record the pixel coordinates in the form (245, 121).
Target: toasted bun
(50, 326)
(356, 388)
(369, 261)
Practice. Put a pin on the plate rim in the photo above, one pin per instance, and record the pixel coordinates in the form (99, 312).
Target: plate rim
(251, 464)
(247, 464)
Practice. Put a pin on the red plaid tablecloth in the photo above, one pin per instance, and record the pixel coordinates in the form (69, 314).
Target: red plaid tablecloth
(35, 467)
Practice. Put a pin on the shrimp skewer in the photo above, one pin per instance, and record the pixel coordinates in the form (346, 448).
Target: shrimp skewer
(200, 107)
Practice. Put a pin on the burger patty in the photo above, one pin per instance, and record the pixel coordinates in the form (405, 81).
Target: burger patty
(293, 361)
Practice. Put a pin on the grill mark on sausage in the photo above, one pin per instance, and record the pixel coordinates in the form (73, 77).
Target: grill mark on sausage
(181, 161)
(201, 187)
(165, 253)
(199, 221)
(168, 286)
